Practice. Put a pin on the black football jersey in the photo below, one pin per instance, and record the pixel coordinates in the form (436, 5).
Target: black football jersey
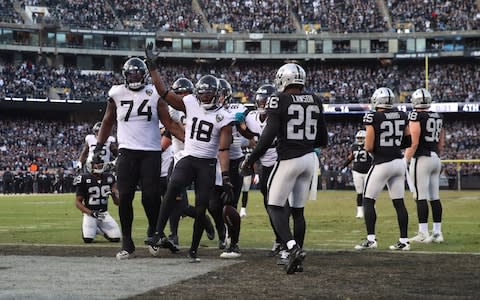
(389, 127)
(94, 190)
(301, 123)
(431, 124)
(362, 160)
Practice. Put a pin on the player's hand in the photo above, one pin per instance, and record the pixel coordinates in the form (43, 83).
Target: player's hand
(227, 193)
(97, 154)
(256, 179)
(246, 168)
(151, 57)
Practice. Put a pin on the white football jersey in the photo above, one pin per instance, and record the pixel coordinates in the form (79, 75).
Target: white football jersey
(236, 146)
(91, 141)
(177, 116)
(202, 129)
(253, 122)
(137, 118)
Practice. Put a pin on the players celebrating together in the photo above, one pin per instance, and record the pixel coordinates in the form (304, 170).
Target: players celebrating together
(205, 136)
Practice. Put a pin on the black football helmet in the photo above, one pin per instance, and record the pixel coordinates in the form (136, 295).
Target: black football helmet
(207, 91)
(225, 90)
(183, 86)
(96, 127)
(261, 96)
(135, 73)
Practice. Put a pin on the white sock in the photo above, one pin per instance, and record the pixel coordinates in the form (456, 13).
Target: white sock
(403, 240)
(371, 237)
(437, 227)
(291, 244)
(423, 228)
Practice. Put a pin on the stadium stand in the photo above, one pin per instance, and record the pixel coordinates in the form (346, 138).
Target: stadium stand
(336, 82)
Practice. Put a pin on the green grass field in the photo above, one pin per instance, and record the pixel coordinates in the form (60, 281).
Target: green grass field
(53, 219)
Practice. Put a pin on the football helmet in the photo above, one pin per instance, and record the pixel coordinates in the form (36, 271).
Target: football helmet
(261, 96)
(207, 91)
(382, 98)
(421, 98)
(360, 137)
(225, 90)
(95, 168)
(289, 74)
(135, 73)
(96, 127)
(183, 86)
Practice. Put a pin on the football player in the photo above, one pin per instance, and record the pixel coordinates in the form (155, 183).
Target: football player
(296, 120)
(362, 160)
(252, 127)
(230, 215)
(136, 108)
(208, 134)
(428, 140)
(387, 134)
(92, 191)
(108, 152)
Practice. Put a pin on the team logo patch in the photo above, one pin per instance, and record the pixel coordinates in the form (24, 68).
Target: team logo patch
(149, 92)
(219, 117)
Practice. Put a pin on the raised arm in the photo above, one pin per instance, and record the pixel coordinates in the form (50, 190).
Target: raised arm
(172, 99)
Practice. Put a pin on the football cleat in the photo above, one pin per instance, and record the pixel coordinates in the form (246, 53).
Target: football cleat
(295, 257)
(169, 244)
(277, 247)
(436, 238)
(400, 246)
(124, 254)
(283, 260)
(366, 244)
(421, 237)
(243, 212)
(174, 239)
(232, 252)
(154, 250)
(192, 257)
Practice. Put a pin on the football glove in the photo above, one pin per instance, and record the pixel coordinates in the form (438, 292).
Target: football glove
(227, 194)
(97, 154)
(151, 58)
(246, 168)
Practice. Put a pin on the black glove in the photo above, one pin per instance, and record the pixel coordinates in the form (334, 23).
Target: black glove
(227, 193)
(95, 214)
(246, 168)
(151, 57)
(97, 154)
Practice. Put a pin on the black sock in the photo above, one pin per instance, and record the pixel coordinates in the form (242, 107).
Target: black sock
(279, 219)
(402, 217)
(370, 215)
(299, 225)
(436, 210)
(422, 211)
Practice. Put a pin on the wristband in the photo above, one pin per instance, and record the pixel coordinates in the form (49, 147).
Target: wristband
(98, 147)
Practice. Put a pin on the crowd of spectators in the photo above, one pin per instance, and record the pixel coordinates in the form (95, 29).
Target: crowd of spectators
(257, 15)
(251, 15)
(436, 15)
(8, 13)
(162, 15)
(341, 16)
(41, 81)
(42, 156)
(335, 82)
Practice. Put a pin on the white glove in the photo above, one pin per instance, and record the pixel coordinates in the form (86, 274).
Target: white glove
(256, 179)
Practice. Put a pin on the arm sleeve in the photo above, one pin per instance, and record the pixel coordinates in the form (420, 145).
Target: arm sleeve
(321, 140)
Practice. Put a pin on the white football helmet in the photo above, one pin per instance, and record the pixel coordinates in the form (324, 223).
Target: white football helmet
(360, 137)
(421, 98)
(382, 98)
(95, 168)
(289, 74)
